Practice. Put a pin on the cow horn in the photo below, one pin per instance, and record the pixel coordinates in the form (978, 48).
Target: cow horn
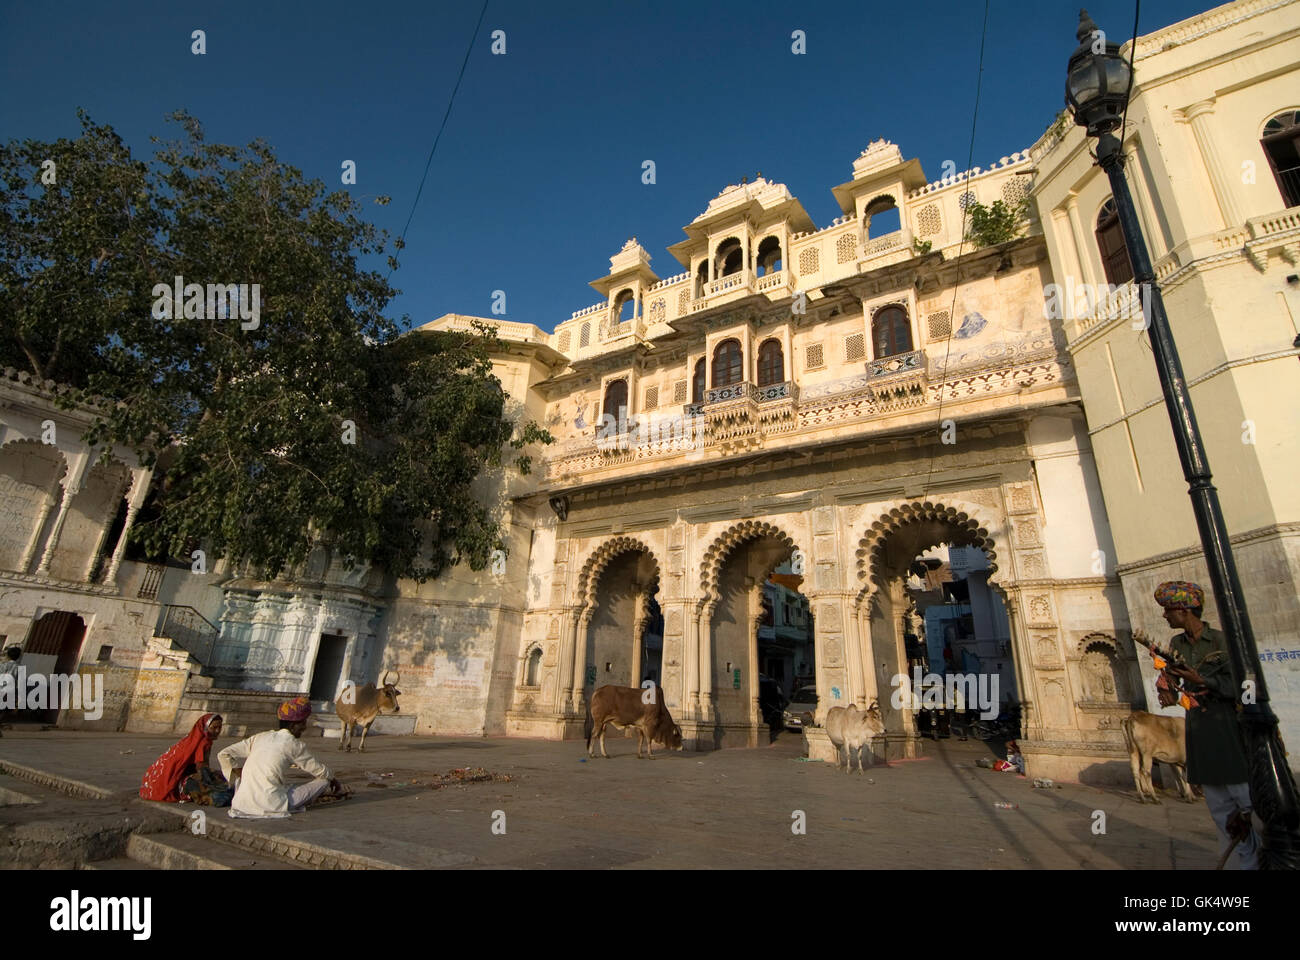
(397, 677)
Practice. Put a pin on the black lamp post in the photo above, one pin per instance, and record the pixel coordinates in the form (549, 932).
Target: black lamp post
(1097, 91)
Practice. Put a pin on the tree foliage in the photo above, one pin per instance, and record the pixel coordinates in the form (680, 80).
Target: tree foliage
(998, 223)
(254, 422)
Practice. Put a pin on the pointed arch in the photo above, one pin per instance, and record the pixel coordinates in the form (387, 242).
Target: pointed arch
(962, 530)
(589, 575)
(725, 544)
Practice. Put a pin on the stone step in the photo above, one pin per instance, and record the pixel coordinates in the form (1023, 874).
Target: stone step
(186, 851)
(117, 863)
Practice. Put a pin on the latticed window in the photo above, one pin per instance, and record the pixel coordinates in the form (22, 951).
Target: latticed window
(683, 301)
(853, 347)
(1014, 190)
(584, 338)
(615, 400)
(940, 325)
(679, 391)
(1110, 241)
(809, 261)
(651, 398)
(657, 310)
(813, 356)
(698, 381)
(565, 339)
(728, 364)
(771, 363)
(928, 222)
(845, 248)
(890, 332)
(966, 200)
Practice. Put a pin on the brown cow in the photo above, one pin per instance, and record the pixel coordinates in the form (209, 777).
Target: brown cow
(1152, 738)
(360, 705)
(632, 707)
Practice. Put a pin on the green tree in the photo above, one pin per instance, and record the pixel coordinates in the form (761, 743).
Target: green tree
(255, 421)
(994, 224)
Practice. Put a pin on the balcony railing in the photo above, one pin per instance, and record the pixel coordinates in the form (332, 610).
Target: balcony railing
(732, 281)
(898, 363)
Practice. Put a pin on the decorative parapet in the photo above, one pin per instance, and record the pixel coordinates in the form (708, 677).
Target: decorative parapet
(588, 311)
(1275, 231)
(898, 381)
(967, 176)
(1199, 26)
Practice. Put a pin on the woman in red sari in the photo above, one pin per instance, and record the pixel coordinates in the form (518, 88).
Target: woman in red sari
(182, 773)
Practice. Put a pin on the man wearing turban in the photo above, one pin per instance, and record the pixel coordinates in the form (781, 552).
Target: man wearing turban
(1216, 756)
(262, 763)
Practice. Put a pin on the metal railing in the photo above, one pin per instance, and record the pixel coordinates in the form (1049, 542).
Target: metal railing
(189, 629)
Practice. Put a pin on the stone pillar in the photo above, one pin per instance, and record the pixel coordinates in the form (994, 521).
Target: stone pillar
(69, 492)
(1080, 241)
(691, 660)
(1197, 116)
(579, 660)
(705, 632)
(564, 671)
(29, 553)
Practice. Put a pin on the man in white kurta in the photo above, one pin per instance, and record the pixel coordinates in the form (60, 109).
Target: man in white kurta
(265, 758)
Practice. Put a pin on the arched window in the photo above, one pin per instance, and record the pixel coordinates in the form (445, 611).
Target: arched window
(771, 363)
(1110, 241)
(891, 333)
(624, 306)
(728, 366)
(532, 677)
(701, 278)
(769, 256)
(615, 400)
(1281, 143)
(882, 216)
(699, 381)
(730, 258)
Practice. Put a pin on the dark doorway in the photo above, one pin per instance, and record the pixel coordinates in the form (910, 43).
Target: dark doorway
(328, 671)
(53, 646)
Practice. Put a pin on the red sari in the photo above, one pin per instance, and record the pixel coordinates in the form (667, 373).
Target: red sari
(163, 780)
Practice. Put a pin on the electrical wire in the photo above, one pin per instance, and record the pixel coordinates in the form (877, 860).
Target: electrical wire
(970, 158)
(401, 242)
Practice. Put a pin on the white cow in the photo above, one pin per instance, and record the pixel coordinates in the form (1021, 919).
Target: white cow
(854, 729)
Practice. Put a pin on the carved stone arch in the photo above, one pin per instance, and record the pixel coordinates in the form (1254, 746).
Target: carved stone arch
(589, 575)
(725, 544)
(534, 646)
(964, 529)
(1102, 638)
(901, 304)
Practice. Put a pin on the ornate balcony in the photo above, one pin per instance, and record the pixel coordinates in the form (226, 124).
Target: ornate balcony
(899, 381)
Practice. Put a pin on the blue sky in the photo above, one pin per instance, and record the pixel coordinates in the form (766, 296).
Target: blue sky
(537, 180)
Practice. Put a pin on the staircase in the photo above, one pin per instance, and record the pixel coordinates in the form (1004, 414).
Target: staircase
(184, 639)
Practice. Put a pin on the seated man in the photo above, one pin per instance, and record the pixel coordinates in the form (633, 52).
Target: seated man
(262, 761)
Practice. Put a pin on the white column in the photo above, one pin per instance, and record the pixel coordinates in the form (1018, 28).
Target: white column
(1076, 228)
(691, 658)
(1197, 116)
(139, 490)
(564, 669)
(34, 541)
(705, 631)
(69, 492)
(1146, 209)
(579, 660)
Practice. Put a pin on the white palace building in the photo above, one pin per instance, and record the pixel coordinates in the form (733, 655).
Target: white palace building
(829, 404)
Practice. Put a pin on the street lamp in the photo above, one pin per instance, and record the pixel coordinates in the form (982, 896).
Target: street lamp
(1096, 91)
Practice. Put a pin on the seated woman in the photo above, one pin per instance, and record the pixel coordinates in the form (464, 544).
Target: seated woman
(182, 774)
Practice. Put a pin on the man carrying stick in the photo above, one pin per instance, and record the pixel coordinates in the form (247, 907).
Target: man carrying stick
(1204, 681)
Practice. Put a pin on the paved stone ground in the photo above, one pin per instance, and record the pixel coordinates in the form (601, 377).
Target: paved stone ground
(728, 809)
